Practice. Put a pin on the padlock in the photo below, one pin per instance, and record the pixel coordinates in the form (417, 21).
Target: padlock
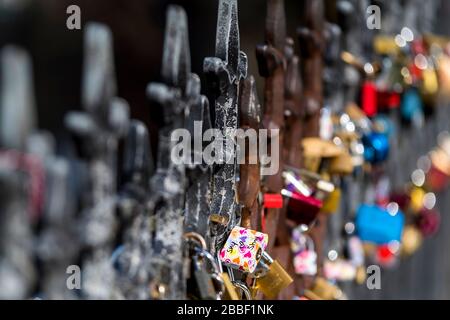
(430, 86)
(370, 249)
(361, 275)
(382, 191)
(385, 256)
(355, 251)
(243, 249)
(415, 74)
(324, 290)
(411, 107)
(245, 291)
(440, 159)
(443, 69)
(377, 225)
(273, 201)
(271, 277)
(376, 147)
(436, 180)
(341, 165)
(332, 202)
(357, 116)
(369, 98)
(349, 136)
(307, 182)
(411, 240)
(444, 142)
(305, 257)
(403, 199)
(339, 270)
(438, 175)
(230, 290)
(428, 222)
(383, 124)
(316, 149)
(417, 196)
(295, 184)
(302, 209)
(202, 282)
(388, 100)
(385, 45)
(326, 124)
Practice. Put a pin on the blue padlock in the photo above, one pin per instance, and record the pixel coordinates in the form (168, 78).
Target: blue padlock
(384, 125)
(378, 225)
(411, 107)
(376, 147)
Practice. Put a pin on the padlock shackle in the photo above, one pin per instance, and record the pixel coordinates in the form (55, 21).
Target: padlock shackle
(321, 184)
(196, 237)
(267, 258)
(244, 288)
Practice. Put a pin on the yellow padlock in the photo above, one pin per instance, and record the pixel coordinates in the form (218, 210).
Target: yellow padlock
(444, 76)
(417, 194)
(316, 149)
(324, 290)
(385, 45)
(430, 86)
(332, 202)
(341, 165)
(230, 291)
(275, 280)
(441, 160)
(361, 275)
(411, 240)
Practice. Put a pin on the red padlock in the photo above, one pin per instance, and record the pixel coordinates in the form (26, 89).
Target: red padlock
(369, 101)
(418, 46)
(302, 209)
(388, 100)
(385, 256)
(393, 100)
(402, 199)
(428, 222)
(273, 201)
(436, 179)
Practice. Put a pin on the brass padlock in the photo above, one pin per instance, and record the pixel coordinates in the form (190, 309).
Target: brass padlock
(316, 149)
(324, 290)
(417, 195)
(230, 290)
(411, 240)
(384, 44)
(332, 202)
(274, 279)
(441, 160)
(430, 86)
(341, 165)
(361, 275)
(444, 75)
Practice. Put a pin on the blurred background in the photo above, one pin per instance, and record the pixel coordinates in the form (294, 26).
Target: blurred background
(138, 28)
